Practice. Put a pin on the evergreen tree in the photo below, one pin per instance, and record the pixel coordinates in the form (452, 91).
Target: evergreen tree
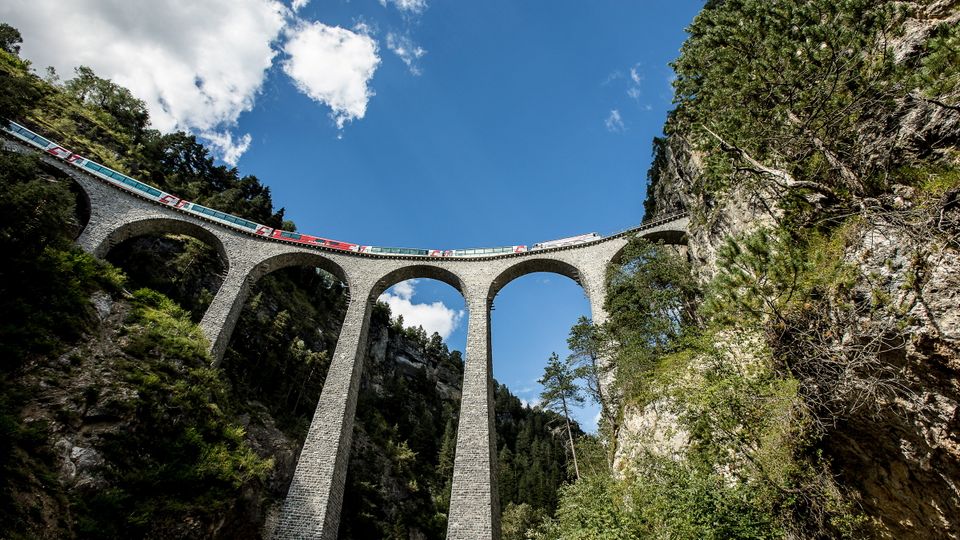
(560, 391)
(587, 344)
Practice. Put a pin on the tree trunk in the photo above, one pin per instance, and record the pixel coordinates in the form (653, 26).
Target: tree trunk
(573, 449)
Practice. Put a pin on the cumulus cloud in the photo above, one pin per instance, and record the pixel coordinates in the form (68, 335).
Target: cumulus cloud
(433, 317)
(299, 4)
(333, 66)
(197, 65)
(407, 6)
(614, 122)
(224, 145)
(408, 51)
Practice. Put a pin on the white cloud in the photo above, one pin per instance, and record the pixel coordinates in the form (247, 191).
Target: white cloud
(333, 66)
(532, 404)
(614, 75)
(407, 50)
(297, 5)
(197, 65)
(405, 289)
(433, 317)
(614, 122)
(225, 146)
(635, 79)
(407, 6)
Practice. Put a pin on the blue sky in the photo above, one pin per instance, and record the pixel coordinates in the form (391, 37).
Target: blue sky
(415, 123)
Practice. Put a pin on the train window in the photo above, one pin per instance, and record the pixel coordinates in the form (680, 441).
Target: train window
(37, 138)
(292, 236)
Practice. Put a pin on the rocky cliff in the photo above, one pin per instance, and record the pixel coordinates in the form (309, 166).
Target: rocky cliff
(877, 359)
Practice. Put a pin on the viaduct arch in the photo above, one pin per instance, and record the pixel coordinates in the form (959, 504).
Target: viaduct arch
(312, 506)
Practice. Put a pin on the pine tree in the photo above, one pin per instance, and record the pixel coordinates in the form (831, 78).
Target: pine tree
(560, 391)
(587, 343)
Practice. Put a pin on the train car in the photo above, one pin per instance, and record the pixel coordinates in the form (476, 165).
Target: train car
(380, 250)
(486, 252)
(568, 241)
(309, 240)
(343, 246)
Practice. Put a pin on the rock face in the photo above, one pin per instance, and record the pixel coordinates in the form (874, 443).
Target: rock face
(903, 454)
(898, 449)
(390, 353)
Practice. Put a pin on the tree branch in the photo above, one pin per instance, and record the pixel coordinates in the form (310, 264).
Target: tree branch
(782, 178)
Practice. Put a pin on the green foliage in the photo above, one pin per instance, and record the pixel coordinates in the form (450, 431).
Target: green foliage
(933, 180)
(768, 274)
(186, 455)
(592, 509)
(10, 39)
(165, 330)
(767, 106)
(115, 104)
(181, 267)
(533, 457)
(749, 468)
(937, 76)
(18, 88)
(560, 389)
(519, 521)
(588, 345)
(45, 280)
(650, 301)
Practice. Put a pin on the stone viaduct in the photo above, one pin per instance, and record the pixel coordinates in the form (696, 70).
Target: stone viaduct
(312, 506)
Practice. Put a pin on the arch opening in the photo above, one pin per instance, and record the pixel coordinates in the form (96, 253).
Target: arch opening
(677, 242)
(400, 471)
(533, 312)
(530, 266)
(82, 209)
(285, 336)
(158, 226)
(183, 262)
(417, 271)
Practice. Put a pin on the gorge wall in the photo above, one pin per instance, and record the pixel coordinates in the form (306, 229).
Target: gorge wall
(875, 353)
